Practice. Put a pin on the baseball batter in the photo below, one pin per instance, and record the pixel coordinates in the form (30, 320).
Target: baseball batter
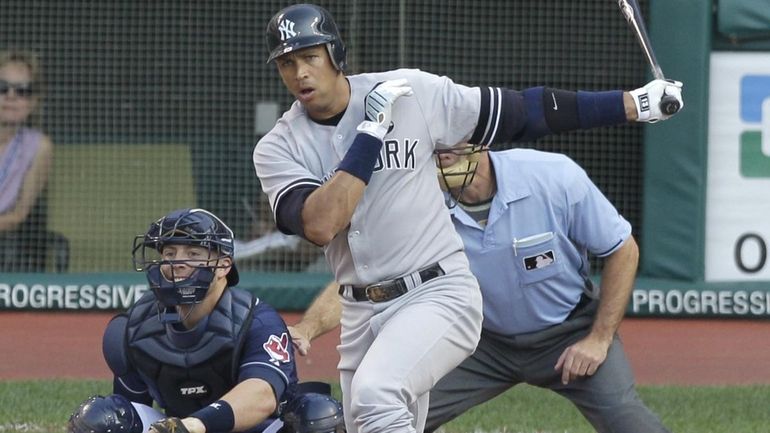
(350, 167)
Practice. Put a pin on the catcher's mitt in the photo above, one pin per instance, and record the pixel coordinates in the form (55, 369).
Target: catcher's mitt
(168, 425)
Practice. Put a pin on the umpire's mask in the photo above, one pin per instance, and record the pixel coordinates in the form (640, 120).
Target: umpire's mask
(456, 168)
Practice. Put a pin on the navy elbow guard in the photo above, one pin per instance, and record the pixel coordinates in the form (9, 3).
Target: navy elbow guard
(510, 116)
(567, 111)
(561, 109)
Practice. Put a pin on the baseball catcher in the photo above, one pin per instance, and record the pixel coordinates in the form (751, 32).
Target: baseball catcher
(213, 357)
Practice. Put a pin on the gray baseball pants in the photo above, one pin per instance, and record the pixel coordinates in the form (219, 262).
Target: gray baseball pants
(608, 399)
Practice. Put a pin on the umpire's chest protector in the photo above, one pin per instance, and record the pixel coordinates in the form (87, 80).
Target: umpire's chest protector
(189, 378)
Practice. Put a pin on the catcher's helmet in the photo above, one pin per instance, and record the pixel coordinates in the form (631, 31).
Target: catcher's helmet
(195, 227)
(301, 26)
(314, 413)
(111, 414)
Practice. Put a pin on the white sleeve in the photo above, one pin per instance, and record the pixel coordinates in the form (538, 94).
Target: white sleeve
(451, 109)
(278, 169)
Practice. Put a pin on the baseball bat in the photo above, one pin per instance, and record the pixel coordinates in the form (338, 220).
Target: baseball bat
(633, 14)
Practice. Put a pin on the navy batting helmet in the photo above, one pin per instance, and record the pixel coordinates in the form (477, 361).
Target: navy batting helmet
(301, 26)
(314, 413)
(111, 414)
(196, 227)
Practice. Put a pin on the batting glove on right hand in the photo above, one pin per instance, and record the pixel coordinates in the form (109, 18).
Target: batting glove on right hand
(648, 98)
(378, 105)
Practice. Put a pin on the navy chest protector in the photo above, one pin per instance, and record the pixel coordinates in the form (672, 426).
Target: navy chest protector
(189, 378)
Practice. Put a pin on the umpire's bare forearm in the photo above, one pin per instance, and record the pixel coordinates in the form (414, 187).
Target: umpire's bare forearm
(324, 313)
(616, 285)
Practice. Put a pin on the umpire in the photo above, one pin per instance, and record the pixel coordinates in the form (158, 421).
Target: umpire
(528, 220)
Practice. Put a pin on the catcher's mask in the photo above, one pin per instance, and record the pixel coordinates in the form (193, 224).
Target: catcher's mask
(313, 413)
(110, 414)
(202, 241)
(456, 168)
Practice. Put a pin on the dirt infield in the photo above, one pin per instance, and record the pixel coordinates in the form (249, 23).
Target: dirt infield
(662, 351)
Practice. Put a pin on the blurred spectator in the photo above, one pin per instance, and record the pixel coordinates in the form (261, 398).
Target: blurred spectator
(25, 161)
(273, 251)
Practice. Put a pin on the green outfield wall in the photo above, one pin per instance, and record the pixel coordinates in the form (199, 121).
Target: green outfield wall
(158, 106)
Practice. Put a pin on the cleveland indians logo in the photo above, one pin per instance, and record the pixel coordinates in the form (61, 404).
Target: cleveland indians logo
(286, 28)
(278, 349)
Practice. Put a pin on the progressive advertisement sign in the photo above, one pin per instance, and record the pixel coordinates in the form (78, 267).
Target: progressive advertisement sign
(738, 187)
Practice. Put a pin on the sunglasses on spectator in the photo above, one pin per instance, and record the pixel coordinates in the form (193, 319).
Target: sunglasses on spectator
(22, 90)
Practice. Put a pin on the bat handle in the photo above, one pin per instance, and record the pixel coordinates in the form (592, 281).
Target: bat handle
(669, 105)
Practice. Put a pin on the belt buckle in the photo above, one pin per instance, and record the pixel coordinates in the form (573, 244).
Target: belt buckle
(376, 292)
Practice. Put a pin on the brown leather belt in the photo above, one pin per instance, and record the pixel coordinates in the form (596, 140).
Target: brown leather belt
(387, 290)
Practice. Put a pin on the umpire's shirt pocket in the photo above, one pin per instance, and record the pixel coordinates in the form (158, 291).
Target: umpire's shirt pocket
(536, 257)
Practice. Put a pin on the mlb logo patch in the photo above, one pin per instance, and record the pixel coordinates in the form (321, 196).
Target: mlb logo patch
(539, 261)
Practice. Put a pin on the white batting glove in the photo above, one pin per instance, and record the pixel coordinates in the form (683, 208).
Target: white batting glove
(378, 105)
(647, 99)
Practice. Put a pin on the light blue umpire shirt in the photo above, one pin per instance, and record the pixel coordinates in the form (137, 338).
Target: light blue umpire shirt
(531, 259)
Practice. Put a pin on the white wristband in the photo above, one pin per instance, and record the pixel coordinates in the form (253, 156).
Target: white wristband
(372, 128)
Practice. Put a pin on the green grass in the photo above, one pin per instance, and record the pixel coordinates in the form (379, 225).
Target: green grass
(45, 406)
(528, 409)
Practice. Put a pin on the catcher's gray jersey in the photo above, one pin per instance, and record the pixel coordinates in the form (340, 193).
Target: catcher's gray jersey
(401, 224)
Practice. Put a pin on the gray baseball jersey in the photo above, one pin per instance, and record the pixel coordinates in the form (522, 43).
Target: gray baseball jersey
(391, 353)
(401, 224)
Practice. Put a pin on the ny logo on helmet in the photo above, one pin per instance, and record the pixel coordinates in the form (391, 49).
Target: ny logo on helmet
(287, 29)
